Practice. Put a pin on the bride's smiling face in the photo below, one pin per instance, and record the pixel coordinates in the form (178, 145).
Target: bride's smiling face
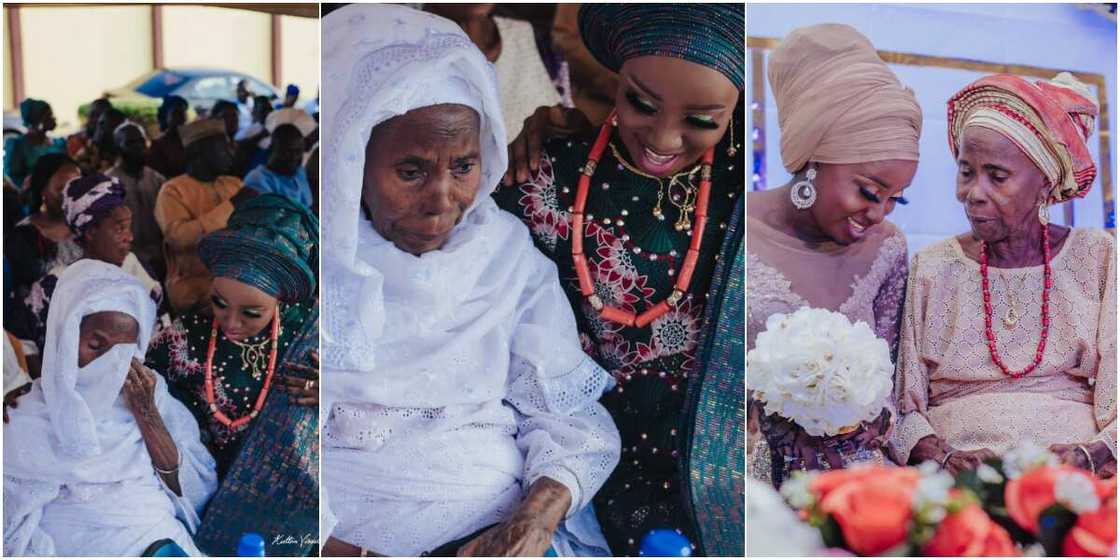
(671, 111)
(422, 173)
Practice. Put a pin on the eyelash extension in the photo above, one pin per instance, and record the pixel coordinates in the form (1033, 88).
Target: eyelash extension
(639, 105)
(217, 301)
(869, 195)
(901, 200)
(702, 123)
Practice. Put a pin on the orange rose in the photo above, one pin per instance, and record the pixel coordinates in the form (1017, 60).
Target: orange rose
(871, 506)
(1095, 532)
(827, 481)
(969, 532)
(1029, 495)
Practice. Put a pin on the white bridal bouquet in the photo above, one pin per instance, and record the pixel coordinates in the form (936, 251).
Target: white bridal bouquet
(818, 369)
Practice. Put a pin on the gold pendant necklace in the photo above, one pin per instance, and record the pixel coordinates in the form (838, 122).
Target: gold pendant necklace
(254, 357)
(684, 180)
(1011, 318)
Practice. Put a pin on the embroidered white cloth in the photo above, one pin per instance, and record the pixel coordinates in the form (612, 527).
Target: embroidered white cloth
(455, 379)
(78, 479)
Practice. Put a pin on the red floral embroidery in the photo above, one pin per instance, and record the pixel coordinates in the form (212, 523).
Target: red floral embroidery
(548, 220)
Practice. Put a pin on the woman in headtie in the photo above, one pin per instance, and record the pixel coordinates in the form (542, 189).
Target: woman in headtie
(98, 459)
(249, 375)
(21, 152)
(643, 218)
(850, 139)
(101, 221)
(463, 414)
(1010, 329)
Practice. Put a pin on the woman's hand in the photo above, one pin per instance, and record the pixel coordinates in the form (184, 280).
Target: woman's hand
(931, 448)
(961, 461)
(139, 394)
(11, 400)
(336, 547)
(139, 391)
(529, 532)
(1071, 454)
(544, 123)
(302, 389)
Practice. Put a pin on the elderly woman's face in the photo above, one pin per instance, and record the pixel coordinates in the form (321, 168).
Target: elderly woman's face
(242, 311)
(422, 172)
(998, 184)
(110, 240)
(852, 198)
(670, 111)
(100, 332)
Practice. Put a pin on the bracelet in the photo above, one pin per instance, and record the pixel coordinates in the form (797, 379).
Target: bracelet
(945, 459)
(173, 470)
(1089, 456)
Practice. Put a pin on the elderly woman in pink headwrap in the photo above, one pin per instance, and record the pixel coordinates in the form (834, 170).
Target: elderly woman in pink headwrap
(850, 138)
(1009, 333)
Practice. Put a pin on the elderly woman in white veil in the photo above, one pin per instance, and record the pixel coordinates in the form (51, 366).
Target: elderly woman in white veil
(98, 458)
(462, 411)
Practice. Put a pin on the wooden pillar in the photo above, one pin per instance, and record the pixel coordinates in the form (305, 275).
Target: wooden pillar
(15, 37)
(157, 36)
(277, 53)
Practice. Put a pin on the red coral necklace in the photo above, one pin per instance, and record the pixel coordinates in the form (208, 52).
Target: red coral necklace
(220, 416)
(1046, 285)
(684, 277)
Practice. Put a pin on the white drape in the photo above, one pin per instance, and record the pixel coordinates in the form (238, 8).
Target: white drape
(78, 479)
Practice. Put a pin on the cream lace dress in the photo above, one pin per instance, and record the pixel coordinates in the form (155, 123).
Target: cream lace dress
(946, 381)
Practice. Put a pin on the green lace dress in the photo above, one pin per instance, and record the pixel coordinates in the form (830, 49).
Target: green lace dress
(179, 353)
(633, 257)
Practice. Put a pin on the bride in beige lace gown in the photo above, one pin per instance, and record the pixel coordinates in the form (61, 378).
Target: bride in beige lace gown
(850, 138)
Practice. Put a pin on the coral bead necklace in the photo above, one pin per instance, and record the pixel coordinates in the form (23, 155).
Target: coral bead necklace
(220, 416)
(684, 276)
(1047, 283)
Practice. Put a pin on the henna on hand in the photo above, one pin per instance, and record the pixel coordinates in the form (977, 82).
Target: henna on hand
(529, 531)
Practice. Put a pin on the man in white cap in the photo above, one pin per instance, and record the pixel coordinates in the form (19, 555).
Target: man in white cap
(284, 173)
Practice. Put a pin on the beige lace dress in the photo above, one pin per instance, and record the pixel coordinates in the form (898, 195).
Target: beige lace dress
(865, 281)
(946, 382)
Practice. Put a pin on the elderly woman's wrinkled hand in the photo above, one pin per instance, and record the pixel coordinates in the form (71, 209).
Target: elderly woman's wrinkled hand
(1094, 456)
(139, 390)
(961, 461)
(544, 123)
(338, 547)
(529, 532)
(11, 400)
(302, 389)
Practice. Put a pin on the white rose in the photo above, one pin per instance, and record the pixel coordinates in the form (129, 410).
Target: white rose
(1076, 491)
(773, 529)
(818, 369)
(1027, 456)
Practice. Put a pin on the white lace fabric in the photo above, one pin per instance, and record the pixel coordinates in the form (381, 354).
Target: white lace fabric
(947, 383)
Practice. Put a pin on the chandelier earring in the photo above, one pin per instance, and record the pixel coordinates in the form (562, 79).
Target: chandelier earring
(804, 193)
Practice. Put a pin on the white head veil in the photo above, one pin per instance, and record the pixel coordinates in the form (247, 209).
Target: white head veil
(381, 61)
(73, 422)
